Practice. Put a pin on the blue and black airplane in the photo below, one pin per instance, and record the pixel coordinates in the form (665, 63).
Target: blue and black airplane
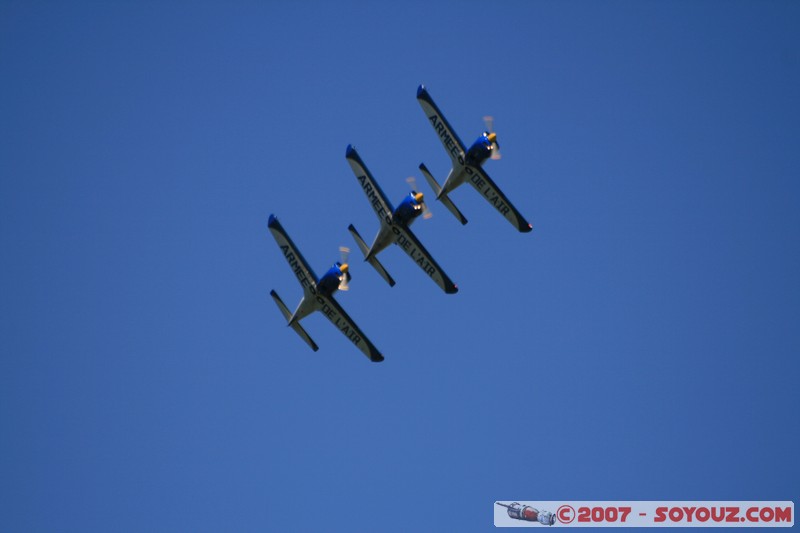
(467, 166)
(318, 295)
(395, 227)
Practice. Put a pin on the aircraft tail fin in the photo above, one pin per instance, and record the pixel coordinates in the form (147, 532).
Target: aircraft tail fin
(372, 260)
(441, 197)
(296, 325)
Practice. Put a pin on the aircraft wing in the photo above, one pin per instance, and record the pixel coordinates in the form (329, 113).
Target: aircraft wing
(409, 243)
(484, 185)
(299, 266)
(334, 312)
(380, 204)
(452, 144)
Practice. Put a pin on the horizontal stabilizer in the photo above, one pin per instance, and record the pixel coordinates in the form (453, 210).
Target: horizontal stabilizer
(372, 260)
(296, 326)
(443, 198)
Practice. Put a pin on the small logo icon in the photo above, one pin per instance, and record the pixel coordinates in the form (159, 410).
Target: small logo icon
(565, 514)
(528, 513)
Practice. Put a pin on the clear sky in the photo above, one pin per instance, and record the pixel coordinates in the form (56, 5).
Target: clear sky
(641, 343)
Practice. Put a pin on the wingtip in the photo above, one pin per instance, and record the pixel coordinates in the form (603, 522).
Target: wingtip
(423, 94)
(273, 221)
(526, 229)
(452, 290)
(352, 155)
(377, 358)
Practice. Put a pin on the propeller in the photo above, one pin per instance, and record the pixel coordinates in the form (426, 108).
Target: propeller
(412, 182)
(489, 120)
(345, 268)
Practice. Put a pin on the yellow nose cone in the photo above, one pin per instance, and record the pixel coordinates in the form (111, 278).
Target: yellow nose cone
(344, 268)
(418, 197)
(492, 137)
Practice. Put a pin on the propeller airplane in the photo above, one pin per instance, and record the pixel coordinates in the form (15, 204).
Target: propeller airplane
(318, 294)
(467, 165)
(395, 226)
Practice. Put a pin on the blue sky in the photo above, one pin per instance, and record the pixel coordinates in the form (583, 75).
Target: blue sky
(641, 343)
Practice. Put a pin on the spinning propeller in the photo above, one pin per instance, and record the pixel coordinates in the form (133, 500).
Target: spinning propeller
(344, 267)
(419, 197)
(489, 120)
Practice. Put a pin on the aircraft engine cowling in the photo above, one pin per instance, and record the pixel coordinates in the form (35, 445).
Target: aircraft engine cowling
(330, 282)
(407, 211)
(480, 151)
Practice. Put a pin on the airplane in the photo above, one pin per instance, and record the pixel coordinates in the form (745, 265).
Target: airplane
(467, 166)
(395, 227)
(318, 295)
